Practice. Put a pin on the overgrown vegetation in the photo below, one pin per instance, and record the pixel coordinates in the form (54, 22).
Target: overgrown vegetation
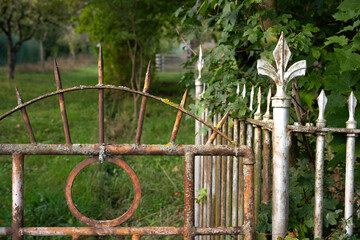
(326, 35)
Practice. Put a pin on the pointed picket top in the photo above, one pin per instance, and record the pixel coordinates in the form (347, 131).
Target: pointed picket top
(322, 100)
(280, 76)
(252, 98)
(267, 114)
(100, 67)
(18, 96)
(147, 78)
(203, 91)
(238, 89)
(200, 65)
(352, 102)
(258, 102)
(244, 92)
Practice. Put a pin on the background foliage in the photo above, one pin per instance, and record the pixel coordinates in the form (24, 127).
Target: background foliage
(326, 35)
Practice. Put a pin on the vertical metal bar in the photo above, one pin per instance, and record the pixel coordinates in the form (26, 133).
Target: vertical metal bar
(257, 151)
(143, 105)
(266, 186)
(189, 232)
(62, 104)
(350, 166)
(208, 186)
(319, 169)
(198, 91)
(135, 237)
(235, 186)
(229, 179)
(242, 140)
(281, 147)
(17, 196)
(223, 182)
(281, 138)
(25, 117)
(218, 186)
(213, 182)
(178, 119)
(101, 96)
(241, 175)
(249, 210)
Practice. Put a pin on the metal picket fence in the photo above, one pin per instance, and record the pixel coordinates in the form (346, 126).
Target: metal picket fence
(221, 177)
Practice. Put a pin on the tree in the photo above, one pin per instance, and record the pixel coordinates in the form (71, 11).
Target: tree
(21, 19)
(129, 32)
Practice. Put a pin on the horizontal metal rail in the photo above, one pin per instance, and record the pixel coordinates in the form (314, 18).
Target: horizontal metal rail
(123, 149)
(120, 231)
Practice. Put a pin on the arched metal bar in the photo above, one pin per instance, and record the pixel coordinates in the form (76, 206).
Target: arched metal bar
(122, 88)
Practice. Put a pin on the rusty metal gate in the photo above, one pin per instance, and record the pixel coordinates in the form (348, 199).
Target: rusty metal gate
(106, 152)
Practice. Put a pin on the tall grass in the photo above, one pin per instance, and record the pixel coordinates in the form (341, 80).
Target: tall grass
(101, 191)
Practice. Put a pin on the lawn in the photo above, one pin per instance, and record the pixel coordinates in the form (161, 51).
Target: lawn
(101, 191)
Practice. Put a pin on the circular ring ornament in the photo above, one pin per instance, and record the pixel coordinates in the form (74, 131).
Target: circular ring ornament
(102, 223)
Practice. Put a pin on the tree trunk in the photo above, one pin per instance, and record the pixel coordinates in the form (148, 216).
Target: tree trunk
(11, 57)
(42, 56)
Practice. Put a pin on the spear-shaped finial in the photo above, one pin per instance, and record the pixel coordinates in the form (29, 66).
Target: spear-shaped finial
(238, 89)
(244, 92)
(252, 98)
(18, 96)
(267, 114)
(258, 102)
(280, 76)
(25, 117)
(352, 102)
(62, 104)
(143, 105)
(322, 100)
(200, 63)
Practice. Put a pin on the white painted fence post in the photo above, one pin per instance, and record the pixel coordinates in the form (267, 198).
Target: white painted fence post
(281, 139)
(197, 170)
(319, 168)
(350, 166)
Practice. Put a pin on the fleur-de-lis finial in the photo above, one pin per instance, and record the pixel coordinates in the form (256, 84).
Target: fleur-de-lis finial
(251, 98)
(322, 100)
(238, 89)
(352, 102)
(244, 92)
(267, 114)
(281, 77)
(258, 102)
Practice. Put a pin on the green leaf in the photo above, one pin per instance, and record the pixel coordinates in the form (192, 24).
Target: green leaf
(341, 40)
(351, 27)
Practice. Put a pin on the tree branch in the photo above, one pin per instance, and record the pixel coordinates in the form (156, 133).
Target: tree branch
(187, 45)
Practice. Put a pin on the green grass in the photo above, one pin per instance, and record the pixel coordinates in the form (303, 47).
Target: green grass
(101, 191)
